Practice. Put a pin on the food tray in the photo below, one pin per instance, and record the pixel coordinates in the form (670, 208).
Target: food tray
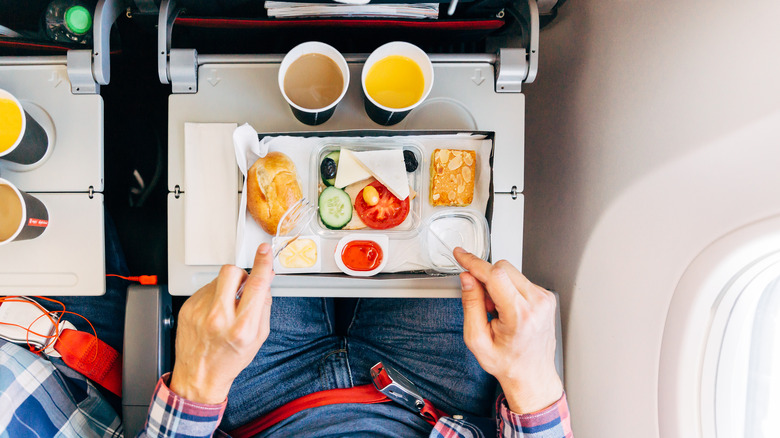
(405, 246)
(409, 228)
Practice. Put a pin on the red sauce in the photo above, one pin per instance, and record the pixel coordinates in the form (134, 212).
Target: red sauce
(362, 255)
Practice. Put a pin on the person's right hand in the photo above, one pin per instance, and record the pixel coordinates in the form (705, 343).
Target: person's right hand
(218, 334)
(517, 346)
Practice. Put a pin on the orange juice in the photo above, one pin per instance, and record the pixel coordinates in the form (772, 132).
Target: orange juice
(10, 123)
(395, 82)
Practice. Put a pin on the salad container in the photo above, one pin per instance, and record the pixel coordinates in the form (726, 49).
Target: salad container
(409, 228)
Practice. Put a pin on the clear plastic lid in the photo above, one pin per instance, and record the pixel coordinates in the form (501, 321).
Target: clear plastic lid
(450, 228)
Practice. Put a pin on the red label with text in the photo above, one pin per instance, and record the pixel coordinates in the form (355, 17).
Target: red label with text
(37, 222)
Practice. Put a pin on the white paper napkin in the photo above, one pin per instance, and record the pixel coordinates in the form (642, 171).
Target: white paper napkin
(210, 193)
(405, 254)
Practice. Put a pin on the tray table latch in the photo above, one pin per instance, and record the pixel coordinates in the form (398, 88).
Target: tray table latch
(89, 69)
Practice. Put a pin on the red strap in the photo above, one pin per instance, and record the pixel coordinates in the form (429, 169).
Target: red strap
(384, 23)
(78, 352)
(366, 394)
(430, 413)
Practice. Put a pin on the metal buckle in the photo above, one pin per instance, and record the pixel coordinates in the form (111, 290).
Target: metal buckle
(396, 387)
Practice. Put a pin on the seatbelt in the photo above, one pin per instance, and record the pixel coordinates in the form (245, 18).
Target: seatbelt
(25, 322)
(91, 357)
(388, 386)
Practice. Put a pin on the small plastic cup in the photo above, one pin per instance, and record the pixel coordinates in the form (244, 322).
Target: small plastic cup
(380, 240)
(385, 115)
(458, 226)
(313, 116)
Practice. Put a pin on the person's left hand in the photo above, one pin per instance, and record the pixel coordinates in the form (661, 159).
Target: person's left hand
(219, 336)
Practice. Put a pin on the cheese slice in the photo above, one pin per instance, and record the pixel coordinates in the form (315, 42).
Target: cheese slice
(349, 170)
(388, 167)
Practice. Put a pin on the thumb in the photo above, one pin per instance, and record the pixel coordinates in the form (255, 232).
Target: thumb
(258, 286)
(475, 322)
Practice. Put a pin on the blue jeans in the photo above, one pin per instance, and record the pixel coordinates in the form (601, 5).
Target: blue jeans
(421, 338)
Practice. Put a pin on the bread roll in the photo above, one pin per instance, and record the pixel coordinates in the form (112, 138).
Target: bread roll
(272, 187)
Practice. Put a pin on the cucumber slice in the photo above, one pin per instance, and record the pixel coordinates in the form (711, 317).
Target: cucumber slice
(335, 157)
(335, 208)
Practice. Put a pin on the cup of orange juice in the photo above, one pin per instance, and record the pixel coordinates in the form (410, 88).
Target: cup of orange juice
(396, 78)
(22, 139)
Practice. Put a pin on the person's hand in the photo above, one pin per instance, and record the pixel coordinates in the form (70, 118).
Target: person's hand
(219, 336)
(517, 346)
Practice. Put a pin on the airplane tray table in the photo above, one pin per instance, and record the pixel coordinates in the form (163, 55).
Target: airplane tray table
(68, 258)
(462, 99)
(76, 161)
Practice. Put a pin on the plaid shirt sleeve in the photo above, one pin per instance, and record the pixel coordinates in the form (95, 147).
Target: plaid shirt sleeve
(42, 397)
(551, 422)
(171, 415)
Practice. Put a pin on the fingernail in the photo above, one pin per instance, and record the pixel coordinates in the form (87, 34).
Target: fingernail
(263, 248)
(466, 283)
(460, 250)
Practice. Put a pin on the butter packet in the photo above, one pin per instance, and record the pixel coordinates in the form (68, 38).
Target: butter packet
(302, 256)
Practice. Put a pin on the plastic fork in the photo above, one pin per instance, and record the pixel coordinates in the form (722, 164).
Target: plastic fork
(294, 221)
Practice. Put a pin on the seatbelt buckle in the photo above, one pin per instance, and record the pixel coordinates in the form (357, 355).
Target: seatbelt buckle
(397, 388)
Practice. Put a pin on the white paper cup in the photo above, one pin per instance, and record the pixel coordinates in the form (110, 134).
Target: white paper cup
(35, 216)
(384, 115)
(313, 116)
(31, 144)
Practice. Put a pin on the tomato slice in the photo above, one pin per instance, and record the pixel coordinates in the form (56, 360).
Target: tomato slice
(389, 212)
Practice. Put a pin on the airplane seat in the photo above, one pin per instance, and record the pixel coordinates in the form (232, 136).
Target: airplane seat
(147, 350)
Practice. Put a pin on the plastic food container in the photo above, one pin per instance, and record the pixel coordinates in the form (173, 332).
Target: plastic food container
(381, 241)
(457, 226)
(406, 230)
(280, 266)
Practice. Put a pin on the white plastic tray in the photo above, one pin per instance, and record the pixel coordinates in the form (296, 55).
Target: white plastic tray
(67, 259)
(76, 162)
(462, 98)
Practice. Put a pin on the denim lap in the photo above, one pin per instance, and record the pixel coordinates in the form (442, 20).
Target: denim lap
(423, 340)
(301, 356)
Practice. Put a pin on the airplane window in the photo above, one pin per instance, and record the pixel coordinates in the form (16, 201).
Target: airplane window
(747, 382)
(763, 390)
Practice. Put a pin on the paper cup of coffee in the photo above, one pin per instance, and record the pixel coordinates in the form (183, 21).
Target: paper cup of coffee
(313, 78)
(396, 78)
(22, 138)
(22, 216)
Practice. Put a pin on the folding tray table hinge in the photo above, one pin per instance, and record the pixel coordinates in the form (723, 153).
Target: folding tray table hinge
(183, 69)
(89, 69)
(178, 67)
(516, 66)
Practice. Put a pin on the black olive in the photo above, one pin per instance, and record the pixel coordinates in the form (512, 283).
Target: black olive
(328, 168)
(410, 161)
